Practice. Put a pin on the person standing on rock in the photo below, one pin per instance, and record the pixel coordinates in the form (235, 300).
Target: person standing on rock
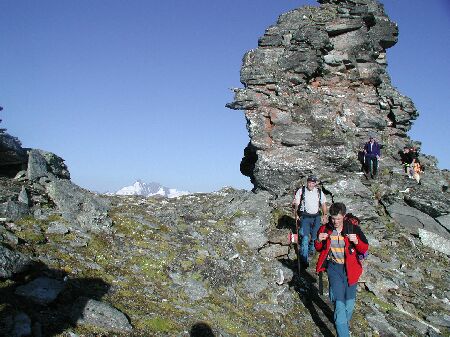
(339, 243)
(372, 153)
(308, 202)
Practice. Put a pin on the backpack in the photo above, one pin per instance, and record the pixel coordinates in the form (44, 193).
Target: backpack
(302, 198)
(354, 220)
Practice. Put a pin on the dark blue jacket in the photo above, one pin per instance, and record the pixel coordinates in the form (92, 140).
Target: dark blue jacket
(375, 151)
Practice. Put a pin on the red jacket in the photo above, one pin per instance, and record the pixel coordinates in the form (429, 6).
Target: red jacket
(352, 263)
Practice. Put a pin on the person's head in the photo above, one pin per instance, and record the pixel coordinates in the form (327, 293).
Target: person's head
(406, 149)
(311, 182)
(371, 137)
(337, 213)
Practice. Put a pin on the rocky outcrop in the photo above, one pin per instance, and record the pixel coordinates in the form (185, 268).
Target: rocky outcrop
(42, 179)
(314, 89)
(12, 156)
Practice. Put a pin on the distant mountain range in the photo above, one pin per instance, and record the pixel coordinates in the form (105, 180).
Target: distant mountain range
(150, 189)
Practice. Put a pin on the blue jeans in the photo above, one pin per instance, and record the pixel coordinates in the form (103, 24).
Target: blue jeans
(309, 226)
(343, 297)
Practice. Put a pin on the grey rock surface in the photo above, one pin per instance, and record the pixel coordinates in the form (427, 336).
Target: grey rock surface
(444, 221)
(57, 228)
(12, 156)
(13, 210)
(78, 205)
(435, 241)
(413, 219)
(37, 165)
(42, 290)
(12, 262)
(23, 196)
(45, 164)
(87, 311)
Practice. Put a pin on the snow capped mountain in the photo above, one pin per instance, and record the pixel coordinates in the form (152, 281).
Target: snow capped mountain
(150, 189)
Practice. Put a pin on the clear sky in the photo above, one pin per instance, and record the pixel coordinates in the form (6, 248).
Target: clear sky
(124, 90)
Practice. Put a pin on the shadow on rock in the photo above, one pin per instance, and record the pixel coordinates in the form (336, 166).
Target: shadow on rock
(287, 222)
(201, 329)
(308, 292)
(47, 302)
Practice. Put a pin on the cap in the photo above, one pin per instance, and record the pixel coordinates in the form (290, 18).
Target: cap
(312, 178)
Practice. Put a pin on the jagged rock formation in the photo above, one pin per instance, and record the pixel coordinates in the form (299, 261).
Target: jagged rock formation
(315, 88)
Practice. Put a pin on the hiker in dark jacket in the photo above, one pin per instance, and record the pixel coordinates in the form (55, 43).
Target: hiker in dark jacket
(409, 157)
(339, 243)
(372, 153)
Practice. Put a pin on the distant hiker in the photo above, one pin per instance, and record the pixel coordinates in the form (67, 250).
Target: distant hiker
(308, 203)
(340, 243)
(372, 153)
(409, 157)
(417, 170)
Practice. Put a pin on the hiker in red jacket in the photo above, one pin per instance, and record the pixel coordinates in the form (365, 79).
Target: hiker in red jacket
(339, 243)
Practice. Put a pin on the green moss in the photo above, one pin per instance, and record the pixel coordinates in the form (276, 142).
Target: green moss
(32, 231)
(156, 324)
(385, 306)
(151, 268)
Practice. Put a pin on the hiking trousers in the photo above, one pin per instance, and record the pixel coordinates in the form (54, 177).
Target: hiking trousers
(371, 165)
(343, 297)
(309, 226)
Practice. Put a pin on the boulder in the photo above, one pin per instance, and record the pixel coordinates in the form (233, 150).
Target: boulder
(412, 219)
(45, 164)
(434, 241)
(79, 206)
(87, 311)
(13, 210)
(42, 290)
(12, 262)
(37, 165)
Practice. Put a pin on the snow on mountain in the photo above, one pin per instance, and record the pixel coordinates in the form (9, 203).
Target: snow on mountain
(150, 189)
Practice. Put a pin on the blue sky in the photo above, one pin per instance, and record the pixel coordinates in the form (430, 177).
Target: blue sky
(137, 89)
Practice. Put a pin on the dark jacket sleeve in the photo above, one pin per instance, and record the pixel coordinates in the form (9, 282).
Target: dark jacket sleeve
(363, 243)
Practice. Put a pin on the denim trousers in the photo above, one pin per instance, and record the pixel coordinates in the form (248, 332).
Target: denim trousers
(343, 297)
(309, 226)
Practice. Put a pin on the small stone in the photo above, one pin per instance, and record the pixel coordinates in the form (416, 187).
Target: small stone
(57, 228)
(23, 196)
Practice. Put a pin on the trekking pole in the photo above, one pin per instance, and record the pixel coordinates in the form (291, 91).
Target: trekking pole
(297, 249)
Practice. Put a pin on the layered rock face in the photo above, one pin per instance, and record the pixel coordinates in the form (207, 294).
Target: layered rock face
(314, 88)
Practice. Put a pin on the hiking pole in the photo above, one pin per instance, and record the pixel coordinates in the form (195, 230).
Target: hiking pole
(297, 249)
